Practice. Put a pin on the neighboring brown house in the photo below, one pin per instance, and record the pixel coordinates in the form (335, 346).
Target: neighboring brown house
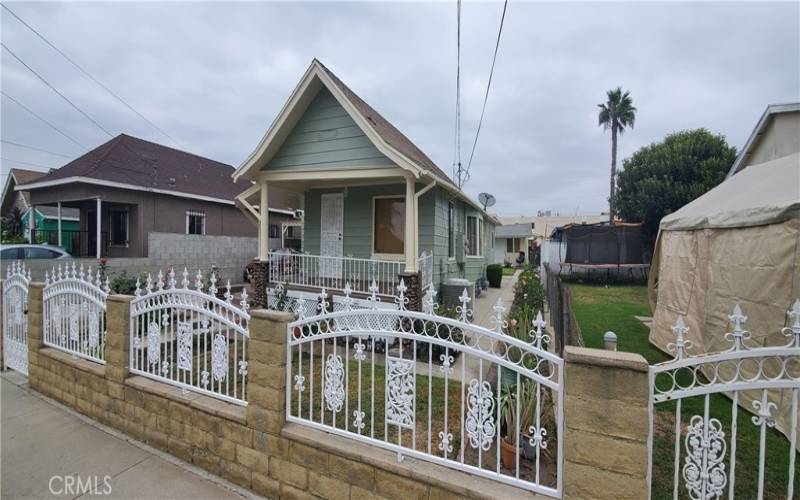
(17, 199)
(153, 201)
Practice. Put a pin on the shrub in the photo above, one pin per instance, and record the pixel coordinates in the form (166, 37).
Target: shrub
(494, 273)
(124, 284)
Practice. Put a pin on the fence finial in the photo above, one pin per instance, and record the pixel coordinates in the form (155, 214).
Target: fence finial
(228, 294)
(538, 333)
(794, 318)
(198, 281)
(160, 280)
(137, 291)
(429, 300)
(500, 324)
(463, 310)
(322, 305)
(243, 303)
(171, 278)
(680, 345)
(74, 269)
(148, 284)
(738, 334)
(82, 274)
(348, 300)
(401, 298)
(212, 289)
(185, 278)
(373, 294)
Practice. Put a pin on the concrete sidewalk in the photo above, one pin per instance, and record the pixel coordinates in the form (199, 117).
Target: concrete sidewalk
(44, 444)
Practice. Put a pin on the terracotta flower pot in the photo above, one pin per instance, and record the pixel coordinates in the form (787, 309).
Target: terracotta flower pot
(509, 454)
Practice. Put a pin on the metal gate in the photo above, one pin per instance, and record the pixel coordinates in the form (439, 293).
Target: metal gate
(431, 385)
(704, 456)
(15, 317)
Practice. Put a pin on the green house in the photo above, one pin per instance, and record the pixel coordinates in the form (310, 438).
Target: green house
(45, 223)
(374, 205)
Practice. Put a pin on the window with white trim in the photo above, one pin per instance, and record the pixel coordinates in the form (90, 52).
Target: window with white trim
(474, 236)
(195, 222)
(388, 225)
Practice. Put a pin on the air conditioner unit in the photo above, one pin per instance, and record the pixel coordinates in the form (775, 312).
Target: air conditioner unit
(299, 214)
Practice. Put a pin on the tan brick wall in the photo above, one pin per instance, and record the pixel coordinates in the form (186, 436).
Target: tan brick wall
(252, 446)
(605, 446)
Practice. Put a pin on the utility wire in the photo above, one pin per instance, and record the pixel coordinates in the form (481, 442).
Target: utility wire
(40, 77)
(92, 78)
(488, 86)
(34, 149)
(42, 120)
(25, 163)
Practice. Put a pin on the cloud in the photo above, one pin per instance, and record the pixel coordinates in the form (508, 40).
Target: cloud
(214, 75)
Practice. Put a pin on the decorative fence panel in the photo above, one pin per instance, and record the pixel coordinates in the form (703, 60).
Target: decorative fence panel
(426, 270)
(15, 317)
(432, 387)
(332, 273)
(74, 311)
(304, 304)
(190, 337)
(698, 430)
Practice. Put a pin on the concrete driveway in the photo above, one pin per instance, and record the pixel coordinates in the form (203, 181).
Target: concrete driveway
(49, 451)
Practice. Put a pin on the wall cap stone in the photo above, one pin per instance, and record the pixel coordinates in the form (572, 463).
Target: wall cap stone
(119, 298)
(460, 483)
(77, 363)
(609, 359)
(197, 401)
(272, 315)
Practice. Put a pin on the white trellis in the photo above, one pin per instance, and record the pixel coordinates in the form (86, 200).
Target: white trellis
(189, 337)
(430, 387)
(74, 311)
(15, 317)
(704, 455)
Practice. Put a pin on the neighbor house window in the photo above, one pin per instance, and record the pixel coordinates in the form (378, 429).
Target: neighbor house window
(388, 225)
(274, 231)
(474, 236)
(451, 239)
(510, 245)
(119, 226)
(195, 222)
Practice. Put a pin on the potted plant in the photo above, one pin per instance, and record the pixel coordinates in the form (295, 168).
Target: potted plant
(509, 445)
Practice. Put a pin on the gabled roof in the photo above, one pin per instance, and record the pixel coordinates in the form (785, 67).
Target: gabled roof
(17, 176)
(132, 163)
(758, 132)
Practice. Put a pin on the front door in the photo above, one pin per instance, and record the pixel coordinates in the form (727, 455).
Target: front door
(331, 227)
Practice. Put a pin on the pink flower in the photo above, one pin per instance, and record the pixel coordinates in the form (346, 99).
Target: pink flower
(513, 322)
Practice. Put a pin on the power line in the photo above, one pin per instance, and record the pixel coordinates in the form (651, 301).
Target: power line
(40, 77)
(88, 75)
(488, 86)
(25, 163)
(34, 149)
(42, 119)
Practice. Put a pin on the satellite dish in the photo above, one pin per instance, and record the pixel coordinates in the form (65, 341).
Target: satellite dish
(486, 200)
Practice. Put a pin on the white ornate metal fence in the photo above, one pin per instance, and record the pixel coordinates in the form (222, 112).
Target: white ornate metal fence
(426, 270)
(333, 273)
(15, 317)
(189, 337)
(432, 387)
(704, 451)
(304, 304)
(74, 311)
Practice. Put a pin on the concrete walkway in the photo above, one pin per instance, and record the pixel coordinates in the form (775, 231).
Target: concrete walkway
(46, 446)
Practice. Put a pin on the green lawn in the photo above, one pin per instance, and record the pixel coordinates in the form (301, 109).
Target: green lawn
(599, 309)
(509, 271)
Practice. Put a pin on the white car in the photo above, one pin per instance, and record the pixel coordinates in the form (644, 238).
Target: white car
(26, 251)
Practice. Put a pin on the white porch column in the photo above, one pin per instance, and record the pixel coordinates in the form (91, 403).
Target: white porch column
(59, 223)
(99, 219)
(31, 223)
(410, 234)
(263, 226)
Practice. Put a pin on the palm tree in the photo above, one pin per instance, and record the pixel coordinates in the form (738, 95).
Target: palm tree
(616, 113)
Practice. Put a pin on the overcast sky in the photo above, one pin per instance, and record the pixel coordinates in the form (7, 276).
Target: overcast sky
(214, 75)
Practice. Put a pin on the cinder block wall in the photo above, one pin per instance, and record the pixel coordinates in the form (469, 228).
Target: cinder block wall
(254, 446)
(606, 424)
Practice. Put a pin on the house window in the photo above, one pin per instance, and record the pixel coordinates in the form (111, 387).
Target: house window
(451, 240)
(389, 225)
(510, 245)
(119, 226)
(474, 240)
(195, 222)
(274, 231)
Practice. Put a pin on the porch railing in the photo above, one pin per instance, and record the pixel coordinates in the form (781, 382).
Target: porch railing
(77, 243)
(333, 273)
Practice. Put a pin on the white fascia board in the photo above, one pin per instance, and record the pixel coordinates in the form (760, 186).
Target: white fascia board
(772, 109)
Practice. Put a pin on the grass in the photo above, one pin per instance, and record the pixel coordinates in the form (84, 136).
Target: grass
(509, 271)
(599, 309)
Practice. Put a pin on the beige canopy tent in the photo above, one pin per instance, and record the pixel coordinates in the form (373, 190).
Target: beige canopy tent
(738, 243)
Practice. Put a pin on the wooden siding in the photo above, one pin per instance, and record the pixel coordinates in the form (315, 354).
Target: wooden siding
(326, 136)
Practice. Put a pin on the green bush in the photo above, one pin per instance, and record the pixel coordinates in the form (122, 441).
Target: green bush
(494, 273)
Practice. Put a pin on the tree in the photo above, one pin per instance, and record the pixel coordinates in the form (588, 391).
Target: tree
(664, 176)
(615, 114)
(12, 227)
